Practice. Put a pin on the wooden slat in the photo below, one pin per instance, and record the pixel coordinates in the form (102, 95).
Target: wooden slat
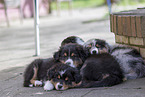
(119, 26)
(128, 26)
(138, 26)
(133, 27)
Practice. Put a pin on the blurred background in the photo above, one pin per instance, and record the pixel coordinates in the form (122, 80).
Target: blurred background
(11, 10)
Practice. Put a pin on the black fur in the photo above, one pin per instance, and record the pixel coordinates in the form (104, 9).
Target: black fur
(72, 39)
(43, 65)
(78, 51)
(73, 74)
(48, 70)
(129, 59)
(100, 71)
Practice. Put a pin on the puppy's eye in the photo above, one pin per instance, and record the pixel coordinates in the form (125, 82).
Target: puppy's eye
(72, 54)
(65, 54)
(97, 46)
(66, 79)
(89, 45)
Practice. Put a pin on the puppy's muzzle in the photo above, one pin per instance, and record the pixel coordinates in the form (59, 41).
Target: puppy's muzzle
(94, 51)
(60, 86)
(69, 62)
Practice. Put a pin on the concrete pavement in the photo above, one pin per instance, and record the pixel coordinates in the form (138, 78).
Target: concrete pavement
(17, 50)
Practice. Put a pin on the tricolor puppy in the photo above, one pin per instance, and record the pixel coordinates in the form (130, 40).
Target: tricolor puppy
(50, 74)
(129, 59)
(96, 46)
(36, 72)
(100, 70)
(72, 39)
(71, 54)
(62, 77)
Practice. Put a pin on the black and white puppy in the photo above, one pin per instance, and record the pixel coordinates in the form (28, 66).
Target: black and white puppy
(72, 54)
(72, 39)
(100, 70)
(50, 74)
(129, 59)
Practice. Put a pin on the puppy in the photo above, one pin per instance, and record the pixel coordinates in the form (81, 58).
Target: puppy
(62, 77)
(72, 39)
(128, 58)
(71, 54)
(100, 70)
(36, 72)
(96, 46)
(51, 74)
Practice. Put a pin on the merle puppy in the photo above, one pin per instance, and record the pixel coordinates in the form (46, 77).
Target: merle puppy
(129, 59)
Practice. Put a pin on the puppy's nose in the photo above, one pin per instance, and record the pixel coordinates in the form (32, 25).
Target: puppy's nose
(68, 63)
(59, 86)
(94, 52)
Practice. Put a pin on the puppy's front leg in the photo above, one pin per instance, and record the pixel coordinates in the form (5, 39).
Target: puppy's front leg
(48, 86)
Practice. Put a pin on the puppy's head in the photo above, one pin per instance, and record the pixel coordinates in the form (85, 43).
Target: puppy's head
(72, 39)
(97, 46)
(63, 76)
(71, 54)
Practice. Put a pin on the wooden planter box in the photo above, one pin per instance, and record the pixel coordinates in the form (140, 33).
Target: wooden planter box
(129, 28)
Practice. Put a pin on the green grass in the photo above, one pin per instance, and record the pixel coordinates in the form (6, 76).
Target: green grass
(80, 4)
(131, 2)
(94, 3)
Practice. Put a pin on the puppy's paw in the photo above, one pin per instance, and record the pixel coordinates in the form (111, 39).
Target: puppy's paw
(38, 83)
(48, 86)
(31, 85)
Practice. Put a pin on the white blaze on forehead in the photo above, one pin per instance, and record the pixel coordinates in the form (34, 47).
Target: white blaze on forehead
(79, 41)
(70, 61)
(62, 72)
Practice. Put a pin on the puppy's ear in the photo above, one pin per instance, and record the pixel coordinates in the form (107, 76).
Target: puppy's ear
(83, 53)
(107, 47)
(77, 77)
(56, 56)
(50, 74)
(86, 51)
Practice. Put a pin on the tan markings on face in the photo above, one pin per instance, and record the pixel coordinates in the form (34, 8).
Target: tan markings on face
(90, 45)
(77, 63)
(105, 76)
(54, 83)
(97, 45)
(104, 50)
(62, 61)
(34, 76)
(66, 86)
(72, 54)
(66, 79)
(58, 77)
(65, 54)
